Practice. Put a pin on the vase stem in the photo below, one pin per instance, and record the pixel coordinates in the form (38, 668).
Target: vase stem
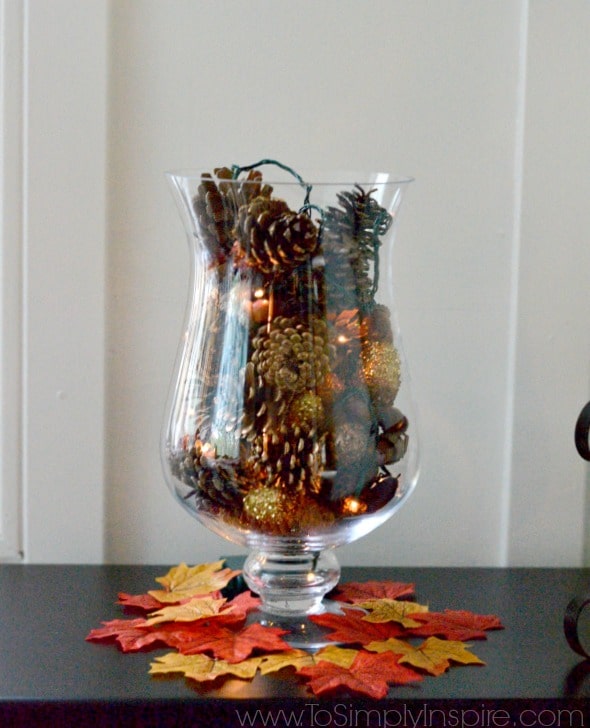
(292, 584)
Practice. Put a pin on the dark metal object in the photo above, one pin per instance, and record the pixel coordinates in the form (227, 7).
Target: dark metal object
(579, 603)
(570, 623)
(582, 431)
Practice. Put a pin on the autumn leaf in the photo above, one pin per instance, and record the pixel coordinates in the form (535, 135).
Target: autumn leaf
(351, 628)
(357, 591)
(455, 625)
(211, 639)
(369, 674)
(392, 610)
(185, 582)
(288, 658)
(202, 667)
(144, 602)
(133, 635)
(433, 655)
(244, 603)
(122, 631)
(197, 608)
(235, 646)
(343, 656)
(300, 658)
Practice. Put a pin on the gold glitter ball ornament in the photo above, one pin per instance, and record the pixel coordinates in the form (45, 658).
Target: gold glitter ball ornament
(266, 506)
(277, 511)
(306, 411)
(381, 368)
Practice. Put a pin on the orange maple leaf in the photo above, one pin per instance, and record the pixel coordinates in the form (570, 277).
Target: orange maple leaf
(357, 591)
(455, 624)
(244, 603)
(369, 674)
(352, 628)
(234, 646)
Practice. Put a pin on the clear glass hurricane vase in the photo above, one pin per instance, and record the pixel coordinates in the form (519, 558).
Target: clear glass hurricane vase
(290, 427)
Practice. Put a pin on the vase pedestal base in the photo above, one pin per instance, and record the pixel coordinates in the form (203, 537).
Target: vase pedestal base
(291, 589)
(303, 633)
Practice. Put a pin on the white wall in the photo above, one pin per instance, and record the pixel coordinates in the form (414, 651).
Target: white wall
(484, 103)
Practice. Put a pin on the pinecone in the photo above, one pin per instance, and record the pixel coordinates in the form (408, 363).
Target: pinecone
(214, 215)
(216, 205)
(219, 479)
(350, 241)
(292, 356)
(221, 483)
(281, 456)
(272, 238)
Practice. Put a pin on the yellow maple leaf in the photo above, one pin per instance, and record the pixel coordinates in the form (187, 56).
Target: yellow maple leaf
(288, 658)
(392, 610)
(202, 667)
(433, 655)
(343, 656)
(197, 608)
(183, 582)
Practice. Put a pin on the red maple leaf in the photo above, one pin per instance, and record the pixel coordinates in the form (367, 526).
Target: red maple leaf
(143, 602)
(370, 674)
(351, 628)
(244, 603)
(130, 634)
(356, 591)
(233, 646)
(454, 625)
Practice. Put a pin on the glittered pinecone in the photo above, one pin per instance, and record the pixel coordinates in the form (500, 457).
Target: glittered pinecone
(272, 238)
(291, 355)
(355, 458)
(352, 440)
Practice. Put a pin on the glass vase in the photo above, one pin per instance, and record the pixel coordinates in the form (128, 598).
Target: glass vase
(290, 427)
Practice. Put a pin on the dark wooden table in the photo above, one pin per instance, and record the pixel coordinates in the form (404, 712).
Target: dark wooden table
(49, 674)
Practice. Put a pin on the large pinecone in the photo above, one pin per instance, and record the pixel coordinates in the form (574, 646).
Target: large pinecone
(272, 238)
(217, 202)
(350, 242)
(219, 479)
(292, 356)
(294, 461)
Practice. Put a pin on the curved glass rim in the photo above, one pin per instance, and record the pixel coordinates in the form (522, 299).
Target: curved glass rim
(335, 177)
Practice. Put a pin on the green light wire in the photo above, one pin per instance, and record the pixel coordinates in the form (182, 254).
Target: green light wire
(237, 171)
